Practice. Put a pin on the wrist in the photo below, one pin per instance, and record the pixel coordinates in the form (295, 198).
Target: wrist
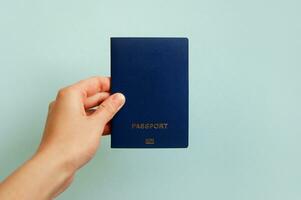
(54, 160)
(54, 170)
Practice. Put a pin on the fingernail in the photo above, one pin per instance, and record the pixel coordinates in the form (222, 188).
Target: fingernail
(119, 99)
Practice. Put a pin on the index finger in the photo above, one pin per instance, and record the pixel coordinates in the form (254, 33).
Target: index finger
(93, 85)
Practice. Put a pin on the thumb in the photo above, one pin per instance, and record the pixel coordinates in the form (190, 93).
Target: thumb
(108, 108)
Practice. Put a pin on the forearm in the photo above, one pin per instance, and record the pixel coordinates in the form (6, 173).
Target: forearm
(41, 177)
(71, 138)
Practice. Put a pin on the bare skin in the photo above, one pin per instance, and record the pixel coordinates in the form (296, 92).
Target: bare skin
(71, 138)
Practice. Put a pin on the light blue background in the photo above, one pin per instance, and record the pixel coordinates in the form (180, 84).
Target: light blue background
(245, 112)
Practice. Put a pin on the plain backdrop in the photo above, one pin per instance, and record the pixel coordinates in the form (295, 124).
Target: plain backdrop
(245, 94)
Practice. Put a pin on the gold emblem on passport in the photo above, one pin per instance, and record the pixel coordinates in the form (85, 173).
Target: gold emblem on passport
(160, 125)
(149, 141)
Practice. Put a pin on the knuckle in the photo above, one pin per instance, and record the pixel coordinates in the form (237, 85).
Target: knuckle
(64, 92)
(81, 82)
(50, 105)
(109, 109)
(61, 93)
(104, 85)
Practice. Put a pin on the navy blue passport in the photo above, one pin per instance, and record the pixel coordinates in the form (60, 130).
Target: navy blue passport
(152, 73)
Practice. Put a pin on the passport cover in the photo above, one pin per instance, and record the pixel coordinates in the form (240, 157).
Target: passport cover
(152, 73)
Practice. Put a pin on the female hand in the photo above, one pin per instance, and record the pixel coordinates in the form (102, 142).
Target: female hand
(71, 138)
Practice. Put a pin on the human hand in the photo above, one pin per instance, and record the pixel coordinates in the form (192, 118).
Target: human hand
(72, 130)
(71, 138)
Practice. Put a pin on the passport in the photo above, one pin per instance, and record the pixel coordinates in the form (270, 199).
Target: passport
(152, 73)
